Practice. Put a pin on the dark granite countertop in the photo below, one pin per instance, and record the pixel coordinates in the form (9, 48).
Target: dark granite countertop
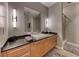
(23, 41)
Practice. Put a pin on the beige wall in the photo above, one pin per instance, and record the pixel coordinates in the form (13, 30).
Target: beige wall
(72, 30)
(55, 17)
(20, 13)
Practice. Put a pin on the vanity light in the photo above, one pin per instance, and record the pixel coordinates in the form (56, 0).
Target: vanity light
(46, 23)
(14, 18)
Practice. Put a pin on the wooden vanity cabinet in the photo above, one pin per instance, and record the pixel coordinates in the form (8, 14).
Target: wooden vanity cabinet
(22, 51)
(0, 54)
(35, 49)
(40, 48)
(48, 44)
(4, 54)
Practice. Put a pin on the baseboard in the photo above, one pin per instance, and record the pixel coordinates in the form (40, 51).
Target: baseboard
(73, 44)
(72, 47)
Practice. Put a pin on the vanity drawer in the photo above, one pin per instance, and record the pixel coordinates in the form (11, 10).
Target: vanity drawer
(19, 51)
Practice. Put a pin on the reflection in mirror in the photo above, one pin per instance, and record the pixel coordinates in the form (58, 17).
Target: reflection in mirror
(32, 20)
(24, 20)
(14, 18)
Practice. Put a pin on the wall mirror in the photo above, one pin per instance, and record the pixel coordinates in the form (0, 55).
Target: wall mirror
(32, 20)
(24, 20)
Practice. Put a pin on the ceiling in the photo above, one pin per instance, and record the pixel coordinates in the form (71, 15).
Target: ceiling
(48, 4)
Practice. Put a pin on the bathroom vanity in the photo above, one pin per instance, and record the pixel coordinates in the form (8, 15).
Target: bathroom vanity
(22, 48)
(0, 53)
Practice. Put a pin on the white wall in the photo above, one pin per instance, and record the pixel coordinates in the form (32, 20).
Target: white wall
(4, 35)
(72, 30)
(55, 18)
(20, 13)
(20, 21)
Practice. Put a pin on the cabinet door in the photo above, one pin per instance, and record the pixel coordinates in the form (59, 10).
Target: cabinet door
(36, 49)
(50, 43)
(4, 54)
(41, 47)
(20, 51)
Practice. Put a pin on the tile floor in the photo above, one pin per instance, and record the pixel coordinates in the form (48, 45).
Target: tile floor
(59, 53)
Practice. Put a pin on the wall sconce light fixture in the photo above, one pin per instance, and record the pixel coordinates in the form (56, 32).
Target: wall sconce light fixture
(46, 23)
(14, 18)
